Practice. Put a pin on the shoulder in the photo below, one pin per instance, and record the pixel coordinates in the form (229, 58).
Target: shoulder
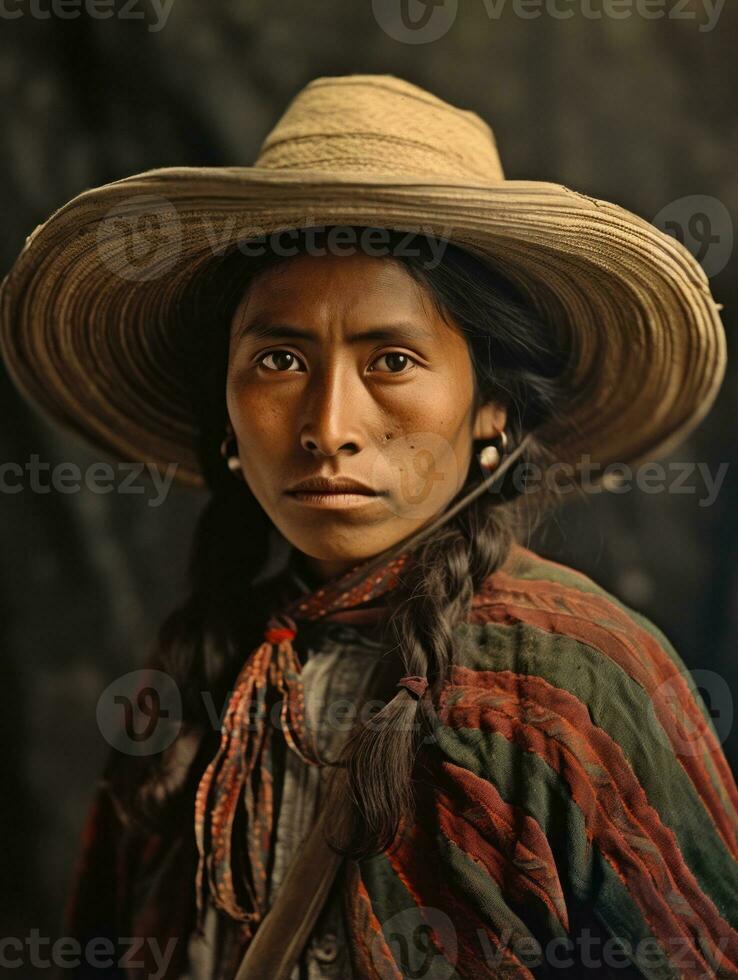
(568, 684)
(548, 633)
(552, 635)
(570, 714)
(527, 580)
(551, 606)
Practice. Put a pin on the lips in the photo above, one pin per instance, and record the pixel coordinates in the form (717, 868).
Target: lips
(325, 486)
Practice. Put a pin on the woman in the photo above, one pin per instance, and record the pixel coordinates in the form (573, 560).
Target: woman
(517, 792)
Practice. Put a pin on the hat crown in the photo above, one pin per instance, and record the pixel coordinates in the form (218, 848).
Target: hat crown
(380, 124)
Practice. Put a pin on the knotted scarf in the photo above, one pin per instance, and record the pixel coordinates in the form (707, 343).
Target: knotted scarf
(234, 811)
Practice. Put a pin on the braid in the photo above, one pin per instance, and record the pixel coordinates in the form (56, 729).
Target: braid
(434, 597)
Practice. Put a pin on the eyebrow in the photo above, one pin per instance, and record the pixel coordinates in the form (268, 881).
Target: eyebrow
(264, 330)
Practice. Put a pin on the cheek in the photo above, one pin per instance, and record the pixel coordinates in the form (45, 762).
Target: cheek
(446, 414)
(256, 418)
(427, 463)
(448, 422)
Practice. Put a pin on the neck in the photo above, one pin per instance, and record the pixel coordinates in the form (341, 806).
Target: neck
(316, 571)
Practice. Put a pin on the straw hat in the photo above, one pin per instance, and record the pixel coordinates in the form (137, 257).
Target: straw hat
(88, 323)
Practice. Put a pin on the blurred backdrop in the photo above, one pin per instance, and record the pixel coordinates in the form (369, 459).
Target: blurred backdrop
(610, 99)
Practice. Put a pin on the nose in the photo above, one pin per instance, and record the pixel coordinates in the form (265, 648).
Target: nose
(331, 414)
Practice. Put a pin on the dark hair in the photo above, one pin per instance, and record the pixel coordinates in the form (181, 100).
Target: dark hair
(201, 644)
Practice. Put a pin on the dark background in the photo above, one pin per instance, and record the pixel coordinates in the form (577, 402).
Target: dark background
(636, 111)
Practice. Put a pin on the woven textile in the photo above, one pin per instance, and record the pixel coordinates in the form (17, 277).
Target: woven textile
(575, 790)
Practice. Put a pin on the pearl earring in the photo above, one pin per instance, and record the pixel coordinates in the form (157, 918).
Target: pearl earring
(232, 460)
(489, 457)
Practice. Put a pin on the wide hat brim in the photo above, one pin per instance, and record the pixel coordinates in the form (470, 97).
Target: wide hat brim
(88, 315)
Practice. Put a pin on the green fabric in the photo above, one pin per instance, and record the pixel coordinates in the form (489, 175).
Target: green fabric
(550, 744)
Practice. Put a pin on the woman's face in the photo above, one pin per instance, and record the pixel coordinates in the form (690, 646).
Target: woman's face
(341, 367)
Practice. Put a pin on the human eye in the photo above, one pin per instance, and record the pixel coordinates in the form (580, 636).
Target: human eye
(396, 356)
(279, 355)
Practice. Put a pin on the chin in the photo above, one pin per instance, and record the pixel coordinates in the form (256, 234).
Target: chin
(343, 535)
(340, 544)
(354, 551)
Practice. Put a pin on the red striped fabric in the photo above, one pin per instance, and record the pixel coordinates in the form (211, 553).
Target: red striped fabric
(544, 809)
(503, 850)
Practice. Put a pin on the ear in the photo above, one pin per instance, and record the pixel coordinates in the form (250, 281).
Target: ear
(490, 420)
